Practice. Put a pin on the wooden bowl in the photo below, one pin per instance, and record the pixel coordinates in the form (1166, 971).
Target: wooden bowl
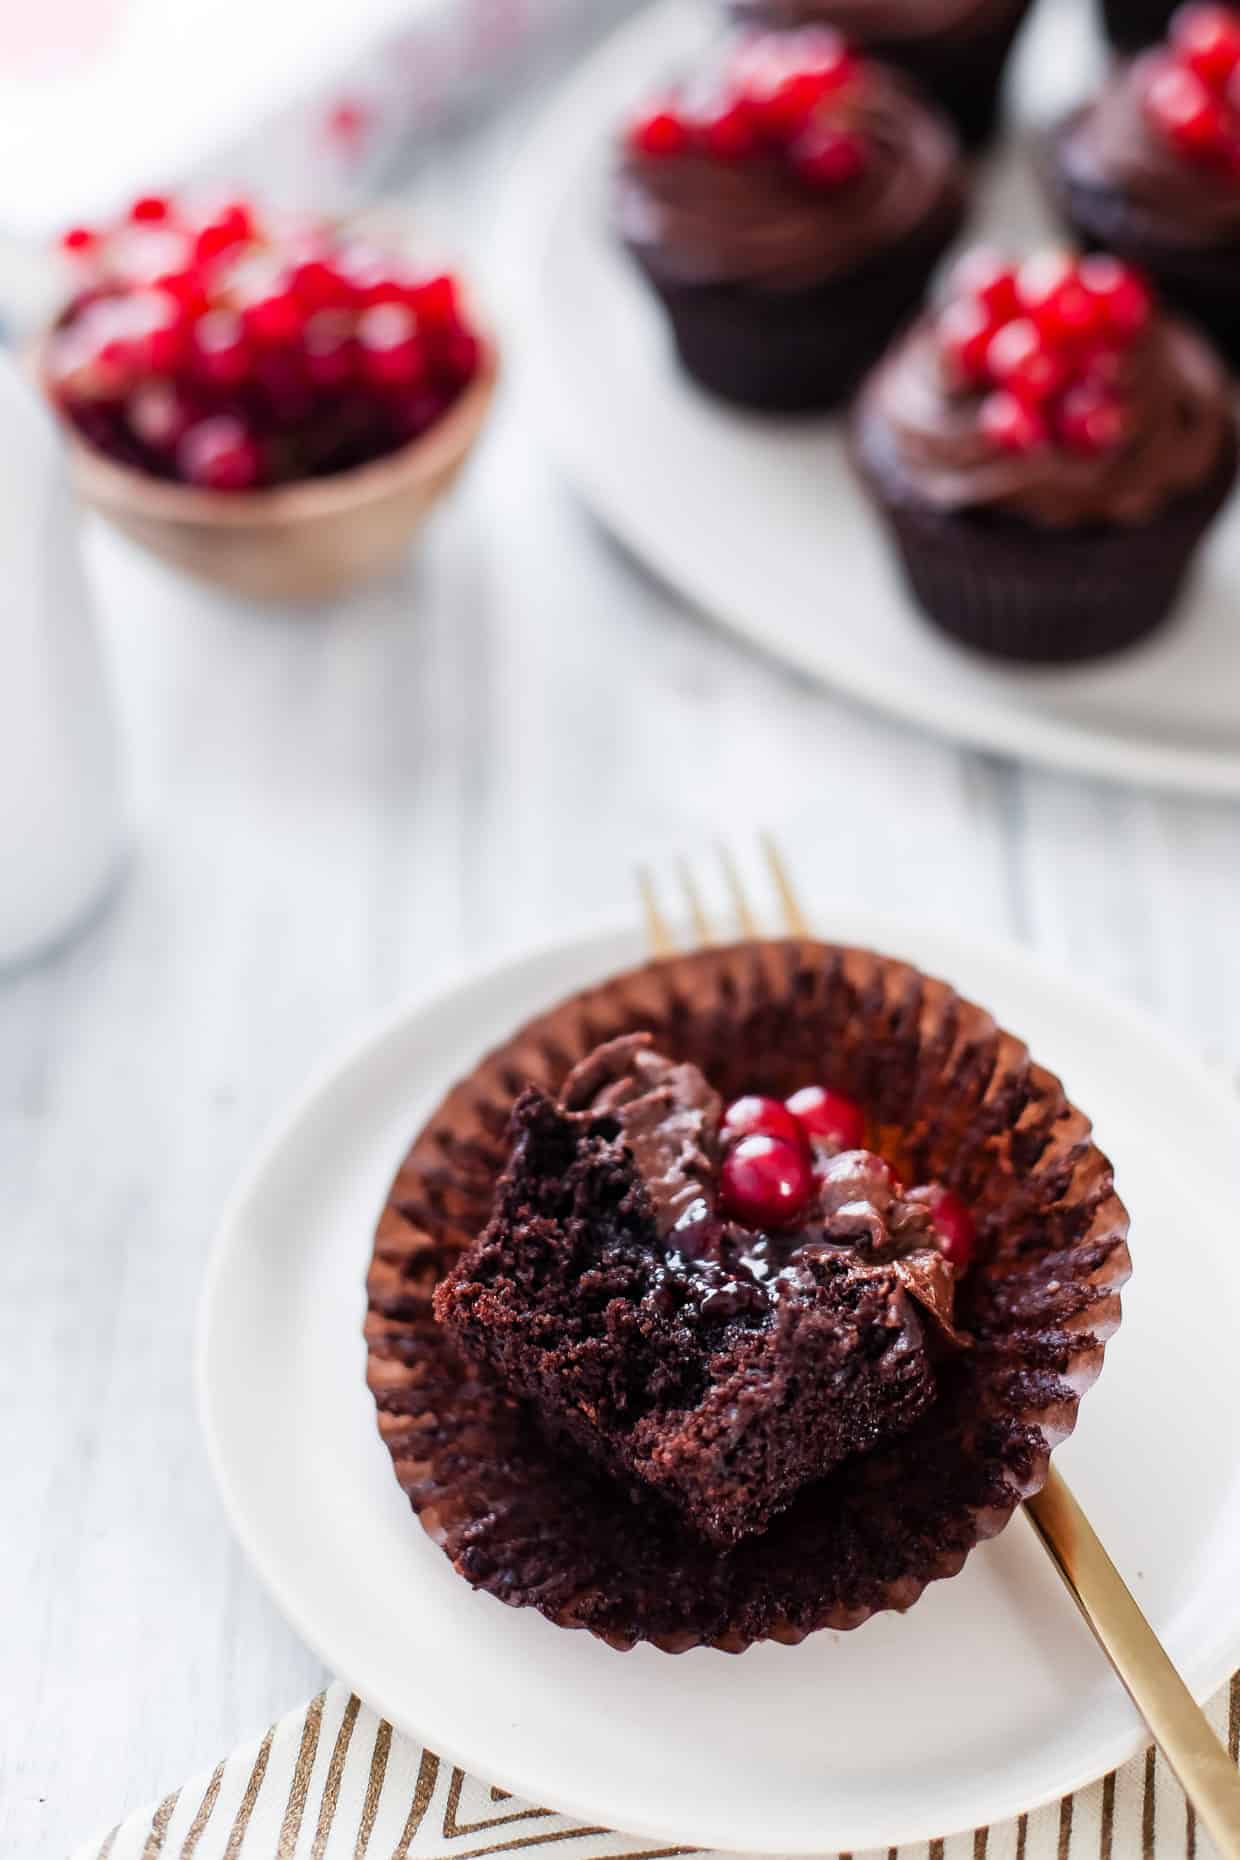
(297, 542)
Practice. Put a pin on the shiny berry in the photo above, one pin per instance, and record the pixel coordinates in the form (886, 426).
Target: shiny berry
(159, 331)
(219, 348)
(80, 241)
(435, 302)
(317, 285)
(273, 320)
(829, 157)
(829, 1115)
(329, 354)
(150, 209)
(1207, 40)
(955, 1226)
(220, 454)
(229, 227)
(1184, 110)
(1011, 424)
(746, 1116)
(764, 1182)
(964, 331)
(159, 415)
(1021, 361)
(660, 134)
(1090, 419)
(389, 352)
(789, 79)
(984, 277)
(731, 133)
(1123, 299)
(1054, 299)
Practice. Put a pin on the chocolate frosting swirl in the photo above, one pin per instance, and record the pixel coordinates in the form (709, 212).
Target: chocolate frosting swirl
(703, 220)
(1109, 143)
(871, 22)
(924, 439)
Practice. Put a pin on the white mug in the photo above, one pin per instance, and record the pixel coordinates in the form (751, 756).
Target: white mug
(60, 807)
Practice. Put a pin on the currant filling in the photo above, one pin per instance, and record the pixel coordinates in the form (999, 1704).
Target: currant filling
(721, 1304)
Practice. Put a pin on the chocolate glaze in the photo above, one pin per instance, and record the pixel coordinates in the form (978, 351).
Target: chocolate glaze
(696, 219)
(1109, 143)
(668, 1119)
(949, 1096)
(923, 441)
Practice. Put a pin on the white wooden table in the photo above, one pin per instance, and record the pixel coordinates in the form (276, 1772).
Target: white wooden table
(332, 811)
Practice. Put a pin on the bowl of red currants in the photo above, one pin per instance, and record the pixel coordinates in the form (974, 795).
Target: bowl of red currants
(271, 407)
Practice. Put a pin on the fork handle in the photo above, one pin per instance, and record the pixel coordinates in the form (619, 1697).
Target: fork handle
(1179, 1726)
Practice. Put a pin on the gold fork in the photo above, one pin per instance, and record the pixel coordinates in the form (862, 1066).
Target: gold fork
(1177, 1723)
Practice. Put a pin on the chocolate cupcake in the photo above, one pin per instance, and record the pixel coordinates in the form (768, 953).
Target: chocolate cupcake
(556, 1426)
(1150, 170)
(1130, 24)
(955, 50)
(787, 209)
(1048, 449)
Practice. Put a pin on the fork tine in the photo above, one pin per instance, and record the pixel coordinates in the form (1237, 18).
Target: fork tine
(794, 916)
(658, 931)
(693, 898)
(745, 919)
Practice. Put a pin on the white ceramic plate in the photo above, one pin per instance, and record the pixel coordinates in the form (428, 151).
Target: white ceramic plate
(988, 1697)
(759, 521)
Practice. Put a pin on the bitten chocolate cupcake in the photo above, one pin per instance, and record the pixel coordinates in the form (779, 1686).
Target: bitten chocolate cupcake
(1047, 448)
(956, 50)
(1130, 24)
(665, 1343)
(1150, 169)
(787, 207)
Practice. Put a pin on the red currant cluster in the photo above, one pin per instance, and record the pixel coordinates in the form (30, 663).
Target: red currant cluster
(789, 95)
(774, 1151)
(1192, 92)
(231, 354)
(1043, 344)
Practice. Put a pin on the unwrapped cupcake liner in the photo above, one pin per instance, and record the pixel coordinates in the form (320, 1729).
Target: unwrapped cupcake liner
(948, 1096)
(961, 67)
(801, 350)
(1018, 591)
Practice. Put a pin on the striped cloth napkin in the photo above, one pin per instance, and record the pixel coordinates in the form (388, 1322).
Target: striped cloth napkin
(331, 1781)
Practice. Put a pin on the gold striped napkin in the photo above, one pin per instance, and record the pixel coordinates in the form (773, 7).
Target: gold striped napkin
(331, 1781)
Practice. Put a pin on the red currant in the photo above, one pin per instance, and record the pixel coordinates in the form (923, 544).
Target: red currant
(1184, 110)
(274, 320)
(1123, 299)
(1054, 299)
(954, 1225)
(765, 1182)
(731, 133)
(159, 415)
(1020, 360)
(219, 347)
(829, 1115)
(964, 332)
(746, 1116)
(79, 240)
(328, 350)
(389, 351)
(984, 277)
(660, 134)
(829, 157)
(435, 302)
(1207, 40)
(1011, 424)
(220, 454)
(149, 209)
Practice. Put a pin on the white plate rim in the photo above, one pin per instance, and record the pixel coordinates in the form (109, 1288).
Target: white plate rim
(870, 929)
(540, 178)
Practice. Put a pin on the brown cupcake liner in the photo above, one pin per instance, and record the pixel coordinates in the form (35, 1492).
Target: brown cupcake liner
(1130, 24)
(800, 351)
(1019, 591)
(961, 68)
(949, 1096)
(1201, 281)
